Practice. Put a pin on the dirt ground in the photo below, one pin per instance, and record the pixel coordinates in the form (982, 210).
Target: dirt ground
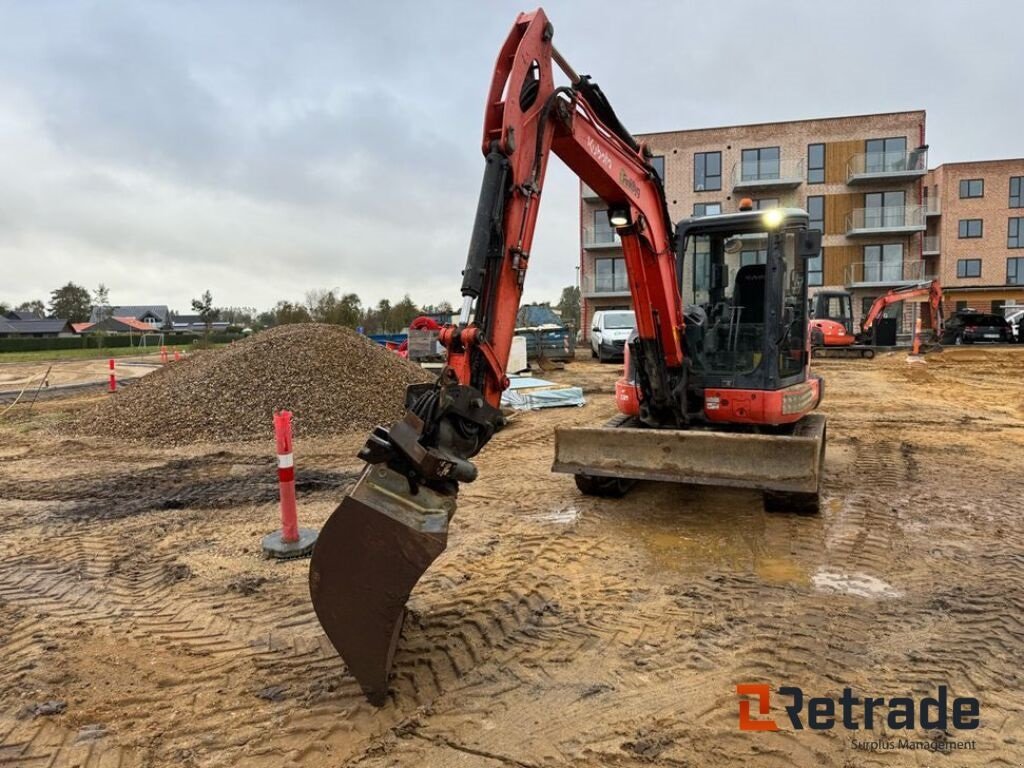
(15, 376)
(139, 626)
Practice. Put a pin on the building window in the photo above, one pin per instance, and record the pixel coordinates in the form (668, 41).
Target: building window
(815, 163)
(816, 212)
(961, 305)
(968, 268)
(758, 164)
(815, 268)
(1015, 233)
(707, 209)
(865, 305)
(1017, 191)
(658, 163)
(753, 256)
(766, 203)
(707, 171)
(884, 209)
(885, 155)
(970, 227)
(610, 275)
(1015, 271)
(603, 230)
(998, 307)
(972, 188)
(883, 263)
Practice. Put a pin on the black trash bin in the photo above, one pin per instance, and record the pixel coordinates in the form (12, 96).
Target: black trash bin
(885, 332)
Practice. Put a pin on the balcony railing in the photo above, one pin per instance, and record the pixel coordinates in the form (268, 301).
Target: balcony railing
(605, 285)
(932, 206)
(863, 274)
(870, 167)
(885, 220)
(783, 174)
(931, 246)
(595, 238)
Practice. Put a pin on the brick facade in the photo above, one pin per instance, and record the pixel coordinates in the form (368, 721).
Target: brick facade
(850, 182)
(974, 270)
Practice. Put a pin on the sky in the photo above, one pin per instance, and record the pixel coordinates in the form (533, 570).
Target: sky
(264, 149)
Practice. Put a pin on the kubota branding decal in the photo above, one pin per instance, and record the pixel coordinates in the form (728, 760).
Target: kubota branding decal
(939, 713)
(629, 184)
(599, 153)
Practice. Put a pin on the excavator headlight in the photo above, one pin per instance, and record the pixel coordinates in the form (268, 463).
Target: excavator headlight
(772, 217)
(618, 217)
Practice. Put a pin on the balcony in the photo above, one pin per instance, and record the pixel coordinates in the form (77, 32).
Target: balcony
(887, 220)
(754, 177)
(589, 194)
(931, 246)
(610, 286)
(932, 206)
(880, 274)
(595, 239)
(875, 167)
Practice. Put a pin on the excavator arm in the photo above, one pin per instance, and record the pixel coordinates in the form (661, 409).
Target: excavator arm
(931, 289)
(386, 533)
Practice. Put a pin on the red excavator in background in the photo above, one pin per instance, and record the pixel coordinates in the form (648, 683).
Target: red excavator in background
(832, 333)
(717, 391)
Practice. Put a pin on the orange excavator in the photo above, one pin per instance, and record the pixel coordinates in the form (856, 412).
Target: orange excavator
(717, 388)
(832, 332)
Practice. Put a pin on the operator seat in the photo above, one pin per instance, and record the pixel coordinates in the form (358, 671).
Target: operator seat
(749, 293)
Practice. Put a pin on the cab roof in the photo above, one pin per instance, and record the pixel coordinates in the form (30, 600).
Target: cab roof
(739, 223)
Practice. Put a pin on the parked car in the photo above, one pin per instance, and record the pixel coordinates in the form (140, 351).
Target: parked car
(608, 333)
(1016, 321)
(545, 333)
(969, 327)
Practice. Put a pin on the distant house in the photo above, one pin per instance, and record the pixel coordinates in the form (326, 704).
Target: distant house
(37, 327)
(195, 324)
(124, 324)
(15, 314)
(155, 316)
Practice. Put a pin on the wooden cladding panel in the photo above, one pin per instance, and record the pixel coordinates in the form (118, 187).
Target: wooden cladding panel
(837, 208)
(837, 155)
(836, 259)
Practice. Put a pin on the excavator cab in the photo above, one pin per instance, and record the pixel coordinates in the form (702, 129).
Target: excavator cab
(836, 306)
(744, 288)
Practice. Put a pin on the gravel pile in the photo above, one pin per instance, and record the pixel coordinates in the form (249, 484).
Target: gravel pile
(331, 378)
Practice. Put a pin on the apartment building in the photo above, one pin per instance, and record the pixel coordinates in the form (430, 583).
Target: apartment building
(975, 233)
(860, 178)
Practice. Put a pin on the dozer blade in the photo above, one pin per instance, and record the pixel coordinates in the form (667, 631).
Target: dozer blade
(368, 557)
(787, 463)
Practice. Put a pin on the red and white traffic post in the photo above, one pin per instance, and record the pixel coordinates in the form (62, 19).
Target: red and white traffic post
(163, 355)
(290, 540)
(112, 386)
(286, 477)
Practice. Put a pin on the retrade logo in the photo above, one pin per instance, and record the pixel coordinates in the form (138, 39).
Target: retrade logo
(851, 712)
(761, 691)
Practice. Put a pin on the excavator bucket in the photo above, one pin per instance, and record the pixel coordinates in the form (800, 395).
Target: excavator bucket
(788, 463)
(368, 557)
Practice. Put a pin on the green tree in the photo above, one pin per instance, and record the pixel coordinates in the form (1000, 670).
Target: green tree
(569, 306)
(383, 316)
(32, 306)
(71, 302)
(403, 313)
(286, 313)
(325, 306)
(203, 306)
(101, 302)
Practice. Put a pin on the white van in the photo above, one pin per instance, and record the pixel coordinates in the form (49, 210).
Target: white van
(608, 333)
